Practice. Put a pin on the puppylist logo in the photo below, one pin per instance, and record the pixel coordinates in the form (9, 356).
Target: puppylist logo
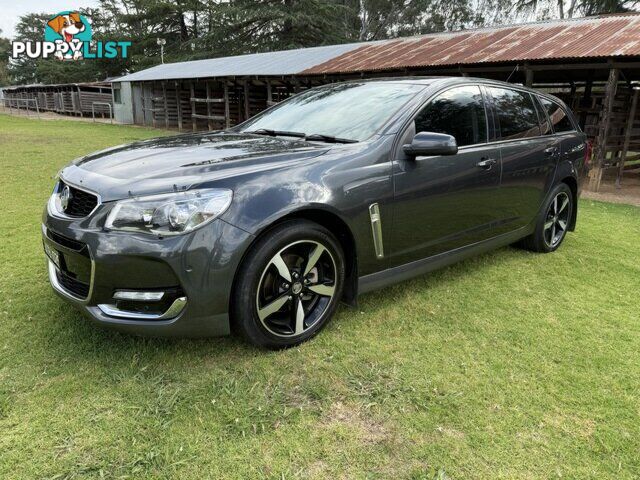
(68, 36)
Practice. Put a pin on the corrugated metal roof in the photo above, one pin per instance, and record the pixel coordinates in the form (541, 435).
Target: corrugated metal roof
(603, 36)
(285, 62)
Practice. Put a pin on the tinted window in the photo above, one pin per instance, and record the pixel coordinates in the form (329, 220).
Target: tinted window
(545, 125)
(347, 110)
(516, 114)
(559, 119)
(458, 112)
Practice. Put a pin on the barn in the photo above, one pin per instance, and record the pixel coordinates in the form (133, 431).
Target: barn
(592, 63)
(81, 99)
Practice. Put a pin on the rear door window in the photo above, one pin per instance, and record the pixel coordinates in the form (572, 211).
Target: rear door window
(516, 113)
(559, 118)
(458, 111)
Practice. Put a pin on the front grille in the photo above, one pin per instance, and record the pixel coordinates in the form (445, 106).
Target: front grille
(78, 288)
(70, 243)
(81, 203)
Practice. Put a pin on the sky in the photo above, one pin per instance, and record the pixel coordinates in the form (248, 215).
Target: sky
(12, 9)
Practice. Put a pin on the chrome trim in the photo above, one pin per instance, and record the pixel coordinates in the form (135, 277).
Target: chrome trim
(133, 295)
(376, 229)
(173, 311)
(51, 204)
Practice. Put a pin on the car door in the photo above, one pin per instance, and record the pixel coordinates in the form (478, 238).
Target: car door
(572, 146)
(447, 201)
(529, 157)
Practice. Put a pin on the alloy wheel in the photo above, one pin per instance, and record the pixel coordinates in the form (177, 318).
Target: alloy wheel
(296, 288)
(557, 220)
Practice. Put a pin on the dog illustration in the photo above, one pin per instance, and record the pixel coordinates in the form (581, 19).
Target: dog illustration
(67, 26)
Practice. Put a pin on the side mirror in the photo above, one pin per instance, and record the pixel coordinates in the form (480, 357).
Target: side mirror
(430, 143)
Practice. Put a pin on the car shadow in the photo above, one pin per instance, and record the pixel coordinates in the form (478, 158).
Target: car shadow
(100, 344)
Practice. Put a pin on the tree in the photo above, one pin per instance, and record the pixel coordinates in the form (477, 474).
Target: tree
(571, 8)
(381, 19)
(5, 52)
(195, 29)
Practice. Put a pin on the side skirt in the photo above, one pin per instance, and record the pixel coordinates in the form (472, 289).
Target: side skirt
(384, 278)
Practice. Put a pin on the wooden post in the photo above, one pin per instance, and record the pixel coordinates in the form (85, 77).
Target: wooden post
(144, 103)
(627, 136)
(600, 150)
(194, 125)
(153, 107)
(586, 99)
(573, 94)
(227, 114)
(269, 94)
(209, 123)
(80, 101)
(246, 99)
(178, 96)
(166, 106)
(528, 74)
(73, 103)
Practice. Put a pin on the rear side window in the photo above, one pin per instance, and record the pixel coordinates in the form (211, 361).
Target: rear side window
(557, 115)
(458, 112)
(516, 114)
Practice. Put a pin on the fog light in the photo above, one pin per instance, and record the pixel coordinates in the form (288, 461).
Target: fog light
(137, 296)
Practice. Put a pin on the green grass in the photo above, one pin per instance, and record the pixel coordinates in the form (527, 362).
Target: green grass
(509, 365)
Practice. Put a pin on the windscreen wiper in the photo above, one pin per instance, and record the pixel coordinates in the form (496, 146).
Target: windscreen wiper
(275, 133)
(317, 137)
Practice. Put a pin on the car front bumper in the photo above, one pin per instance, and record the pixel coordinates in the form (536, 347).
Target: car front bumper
(87, 265)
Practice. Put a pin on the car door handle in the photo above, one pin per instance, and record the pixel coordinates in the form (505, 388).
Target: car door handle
(551, 151)
(486, 163)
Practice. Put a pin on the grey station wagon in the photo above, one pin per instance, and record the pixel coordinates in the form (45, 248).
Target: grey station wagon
(263, 228)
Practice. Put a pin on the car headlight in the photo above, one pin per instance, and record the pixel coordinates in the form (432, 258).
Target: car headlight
(169, 214)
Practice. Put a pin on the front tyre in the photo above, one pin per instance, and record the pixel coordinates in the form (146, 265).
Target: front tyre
(289, 285)
(553, 222)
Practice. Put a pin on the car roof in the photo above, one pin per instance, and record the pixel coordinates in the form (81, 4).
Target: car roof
(442, 81)
(431, 80)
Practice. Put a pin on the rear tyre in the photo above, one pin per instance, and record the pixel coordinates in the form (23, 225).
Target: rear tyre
(289, 285)
(553, 221)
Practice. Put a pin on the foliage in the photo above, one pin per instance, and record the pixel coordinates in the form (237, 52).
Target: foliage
(195, 29)
(5, 51)
(575, 8)
(509, 365)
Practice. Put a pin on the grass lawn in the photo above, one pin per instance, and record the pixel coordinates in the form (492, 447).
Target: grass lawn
(510, 365)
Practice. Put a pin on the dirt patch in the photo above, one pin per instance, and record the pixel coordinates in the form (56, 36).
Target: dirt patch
(317, 469)
(368, 430)
(451, 432)
(628, 194)
(45, 115)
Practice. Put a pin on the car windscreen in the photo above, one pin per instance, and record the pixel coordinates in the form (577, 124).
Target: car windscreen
(347, 110)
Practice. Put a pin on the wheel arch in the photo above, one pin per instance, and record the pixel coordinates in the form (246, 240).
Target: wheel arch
(332, 222)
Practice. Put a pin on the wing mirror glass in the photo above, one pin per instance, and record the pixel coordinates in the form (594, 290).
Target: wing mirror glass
(430, 143)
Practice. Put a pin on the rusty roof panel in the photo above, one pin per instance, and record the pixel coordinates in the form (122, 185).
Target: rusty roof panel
(602, 36)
